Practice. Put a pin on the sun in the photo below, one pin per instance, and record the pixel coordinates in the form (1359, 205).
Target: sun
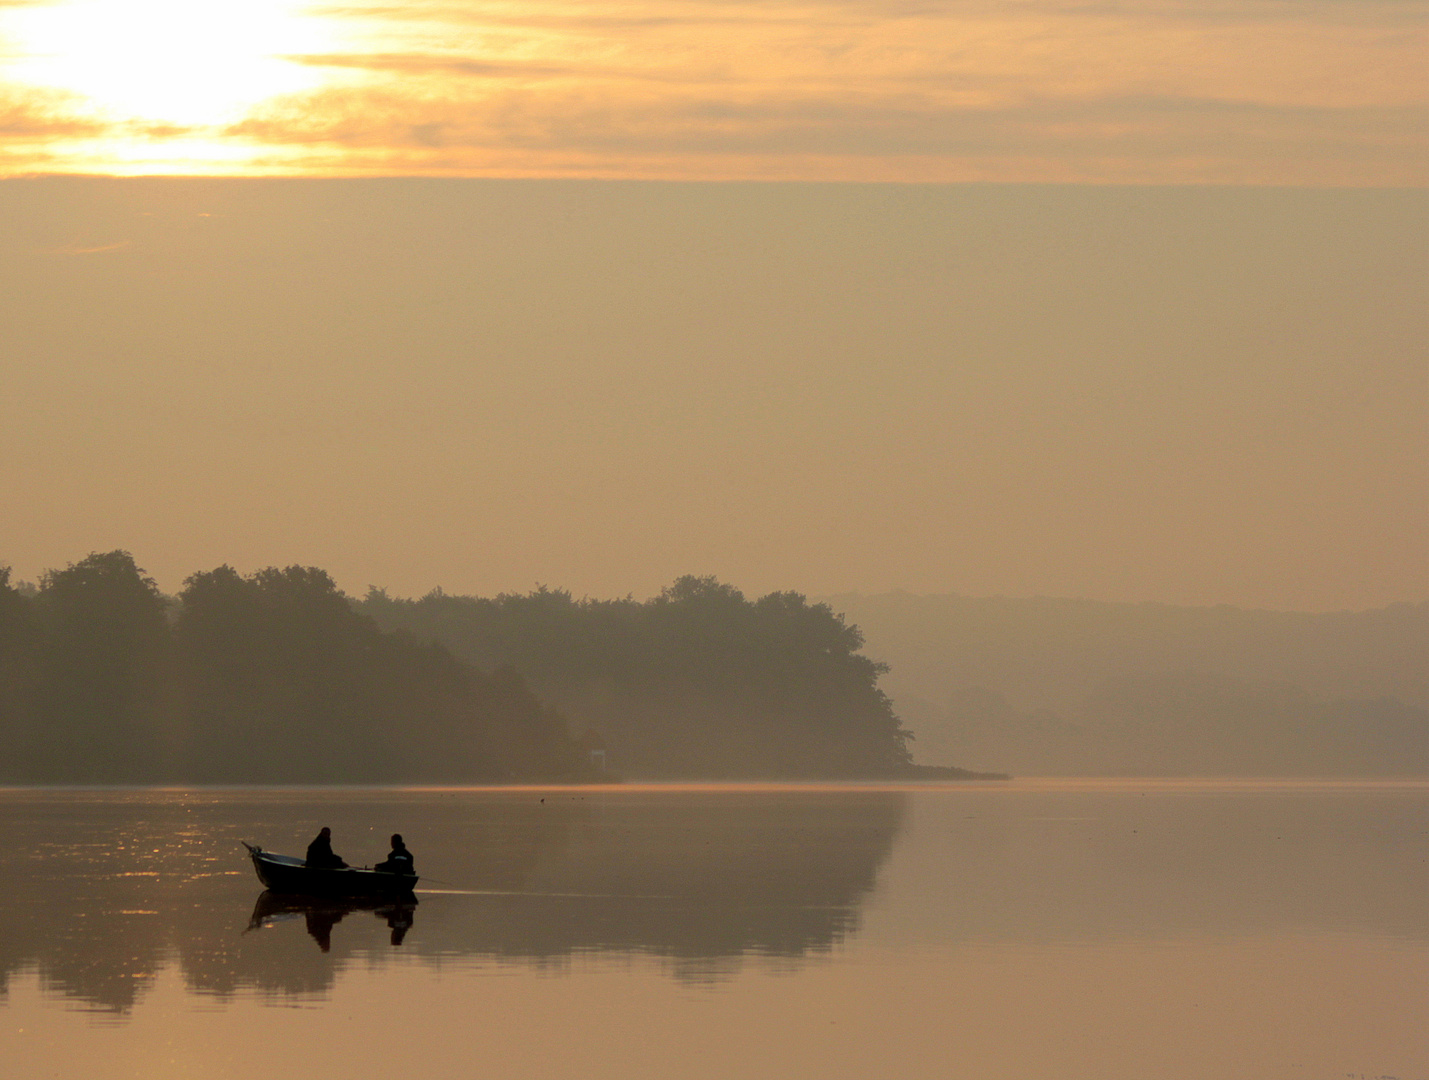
(187, 63)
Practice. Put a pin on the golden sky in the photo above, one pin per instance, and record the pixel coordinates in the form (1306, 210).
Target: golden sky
(454, 293)
(1197, 394)
(1290, 92)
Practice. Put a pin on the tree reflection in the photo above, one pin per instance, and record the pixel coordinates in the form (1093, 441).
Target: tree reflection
(107, 888)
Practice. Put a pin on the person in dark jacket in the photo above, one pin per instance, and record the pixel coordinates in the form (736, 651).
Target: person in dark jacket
(320, 853)
(399, 861)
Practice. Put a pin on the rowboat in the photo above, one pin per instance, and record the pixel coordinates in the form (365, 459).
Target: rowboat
(289, 874)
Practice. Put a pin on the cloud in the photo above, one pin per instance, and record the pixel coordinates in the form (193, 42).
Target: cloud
(1323, 91)
(570, 131)
(29, 114)
(753, 13)
(429, 63)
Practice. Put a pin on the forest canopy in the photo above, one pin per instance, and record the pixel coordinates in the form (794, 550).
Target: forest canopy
(271, 677)
(698, 681)
(278, 677)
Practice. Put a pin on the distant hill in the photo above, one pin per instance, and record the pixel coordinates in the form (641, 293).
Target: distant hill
(1080, 687)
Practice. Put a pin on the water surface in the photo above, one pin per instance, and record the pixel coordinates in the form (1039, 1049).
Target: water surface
(1119, 929)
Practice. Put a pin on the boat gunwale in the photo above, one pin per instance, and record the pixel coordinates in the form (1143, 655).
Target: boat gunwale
(326, 880)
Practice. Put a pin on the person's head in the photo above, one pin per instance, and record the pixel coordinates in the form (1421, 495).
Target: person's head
(396, 839)
(326, 833)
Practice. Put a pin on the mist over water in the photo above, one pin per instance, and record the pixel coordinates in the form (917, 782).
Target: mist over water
(1071, 928)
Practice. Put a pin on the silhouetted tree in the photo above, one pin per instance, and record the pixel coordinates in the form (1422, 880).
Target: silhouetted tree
(274, 676)
(284, 681)
(102, 709)
(270, 677)
(19, 675)
(277, 677)
(698, 681)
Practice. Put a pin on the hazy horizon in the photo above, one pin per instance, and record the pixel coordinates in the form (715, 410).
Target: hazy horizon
(833, 599)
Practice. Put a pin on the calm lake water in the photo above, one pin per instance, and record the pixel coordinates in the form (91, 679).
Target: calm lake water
(1146, 930)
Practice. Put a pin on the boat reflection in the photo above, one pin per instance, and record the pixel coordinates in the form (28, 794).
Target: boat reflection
(105, 890)
(322, 913)
(110, 888)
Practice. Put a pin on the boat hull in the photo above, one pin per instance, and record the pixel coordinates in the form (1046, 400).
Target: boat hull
(286, 874)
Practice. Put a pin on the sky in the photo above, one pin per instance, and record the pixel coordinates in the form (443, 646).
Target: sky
(1143, 91)
(1123, 301)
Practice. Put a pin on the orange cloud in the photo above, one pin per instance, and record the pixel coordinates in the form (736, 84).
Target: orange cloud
(1151, 91)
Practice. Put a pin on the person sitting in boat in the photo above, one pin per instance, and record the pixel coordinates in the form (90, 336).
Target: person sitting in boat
(320, 853)
(399, 861)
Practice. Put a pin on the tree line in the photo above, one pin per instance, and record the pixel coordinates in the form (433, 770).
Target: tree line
(698, 681)
(271, 677)
(279, 677)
